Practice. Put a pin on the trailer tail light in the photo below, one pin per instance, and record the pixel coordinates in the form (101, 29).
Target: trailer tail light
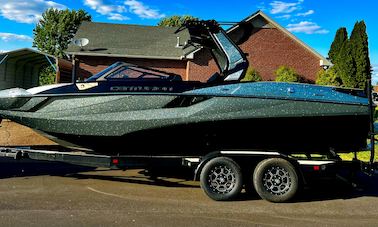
(316, 168)
(115, 161)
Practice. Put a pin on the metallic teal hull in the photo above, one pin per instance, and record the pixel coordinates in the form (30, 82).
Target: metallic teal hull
(190, 124)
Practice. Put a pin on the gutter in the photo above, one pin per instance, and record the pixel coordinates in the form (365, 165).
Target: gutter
(128, 56)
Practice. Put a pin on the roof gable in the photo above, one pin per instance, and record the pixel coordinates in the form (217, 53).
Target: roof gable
(260, 20)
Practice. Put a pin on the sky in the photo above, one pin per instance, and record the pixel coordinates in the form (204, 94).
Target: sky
(313, 21)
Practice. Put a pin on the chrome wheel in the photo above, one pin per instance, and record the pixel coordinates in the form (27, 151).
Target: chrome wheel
(277, 180)
(221, 179)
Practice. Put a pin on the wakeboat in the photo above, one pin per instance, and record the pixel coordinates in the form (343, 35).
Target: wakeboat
(127, 109)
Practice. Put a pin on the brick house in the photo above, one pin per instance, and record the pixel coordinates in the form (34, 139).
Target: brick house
(266, 44)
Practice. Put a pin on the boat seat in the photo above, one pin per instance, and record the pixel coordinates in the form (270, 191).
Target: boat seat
(174, 78)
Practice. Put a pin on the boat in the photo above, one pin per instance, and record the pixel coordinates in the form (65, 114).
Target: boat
(128, 109)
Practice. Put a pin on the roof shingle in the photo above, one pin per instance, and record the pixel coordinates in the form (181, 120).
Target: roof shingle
(135, 41)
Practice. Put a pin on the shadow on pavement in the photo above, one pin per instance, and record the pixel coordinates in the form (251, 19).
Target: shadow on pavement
(363, 185)
(164, 181)
(22, 168)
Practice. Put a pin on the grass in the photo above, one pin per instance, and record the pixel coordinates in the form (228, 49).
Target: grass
(361, 155)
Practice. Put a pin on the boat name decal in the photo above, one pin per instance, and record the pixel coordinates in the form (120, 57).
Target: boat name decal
(141, 88)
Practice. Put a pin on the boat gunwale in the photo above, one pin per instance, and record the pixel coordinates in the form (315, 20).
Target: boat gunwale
(212, 95)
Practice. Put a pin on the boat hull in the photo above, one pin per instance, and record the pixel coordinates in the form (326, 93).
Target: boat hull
(287, 135)
(194, 125)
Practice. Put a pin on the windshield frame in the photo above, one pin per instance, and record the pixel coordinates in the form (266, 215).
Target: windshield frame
(106, 71)
(104, 74)
(236, 72)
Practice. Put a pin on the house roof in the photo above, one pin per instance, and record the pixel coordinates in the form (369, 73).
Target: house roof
(134, 41)
(154, 42)
(254, 16)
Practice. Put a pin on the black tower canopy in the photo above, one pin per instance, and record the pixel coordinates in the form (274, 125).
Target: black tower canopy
(230, 59)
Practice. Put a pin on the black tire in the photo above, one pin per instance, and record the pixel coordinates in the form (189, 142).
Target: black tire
(221, 179)
(275, 180)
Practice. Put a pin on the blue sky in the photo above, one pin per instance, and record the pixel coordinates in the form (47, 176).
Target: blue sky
(313, 21)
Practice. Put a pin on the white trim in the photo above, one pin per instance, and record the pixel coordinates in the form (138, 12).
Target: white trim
(315, 162)
(36, 90)
(190, 54)
(126, 56)
(251, 153)
(192, 159)
(29, 49)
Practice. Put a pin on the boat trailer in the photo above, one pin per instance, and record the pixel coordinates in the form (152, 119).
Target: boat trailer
(223, 174)
(304, 170)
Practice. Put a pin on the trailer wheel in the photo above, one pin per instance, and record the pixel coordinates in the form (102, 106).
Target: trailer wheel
(275, 180)
(221, 179)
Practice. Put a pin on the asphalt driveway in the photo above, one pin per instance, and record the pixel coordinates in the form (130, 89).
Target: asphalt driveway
(51, 194)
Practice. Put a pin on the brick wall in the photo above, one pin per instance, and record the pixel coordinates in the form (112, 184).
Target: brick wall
(202, 66)
(266, 49)
(90, 65)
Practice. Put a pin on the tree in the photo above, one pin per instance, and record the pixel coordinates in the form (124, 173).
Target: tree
(286, 74)
(56, 29)
(252, 75)
(340, 38)
(328, 77)
(47, 76)
(351, 56)
(345, 66)
(360, 53)
(175, 21)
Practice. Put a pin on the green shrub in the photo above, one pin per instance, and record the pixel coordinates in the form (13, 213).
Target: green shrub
(328, 77)
(286, 74)
(252, 75)
(47, 76)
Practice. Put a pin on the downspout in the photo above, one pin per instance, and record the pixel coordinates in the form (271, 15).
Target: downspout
(187, 70)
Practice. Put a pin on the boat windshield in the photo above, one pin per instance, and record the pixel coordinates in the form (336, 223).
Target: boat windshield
(103, 72)
(133, 72)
